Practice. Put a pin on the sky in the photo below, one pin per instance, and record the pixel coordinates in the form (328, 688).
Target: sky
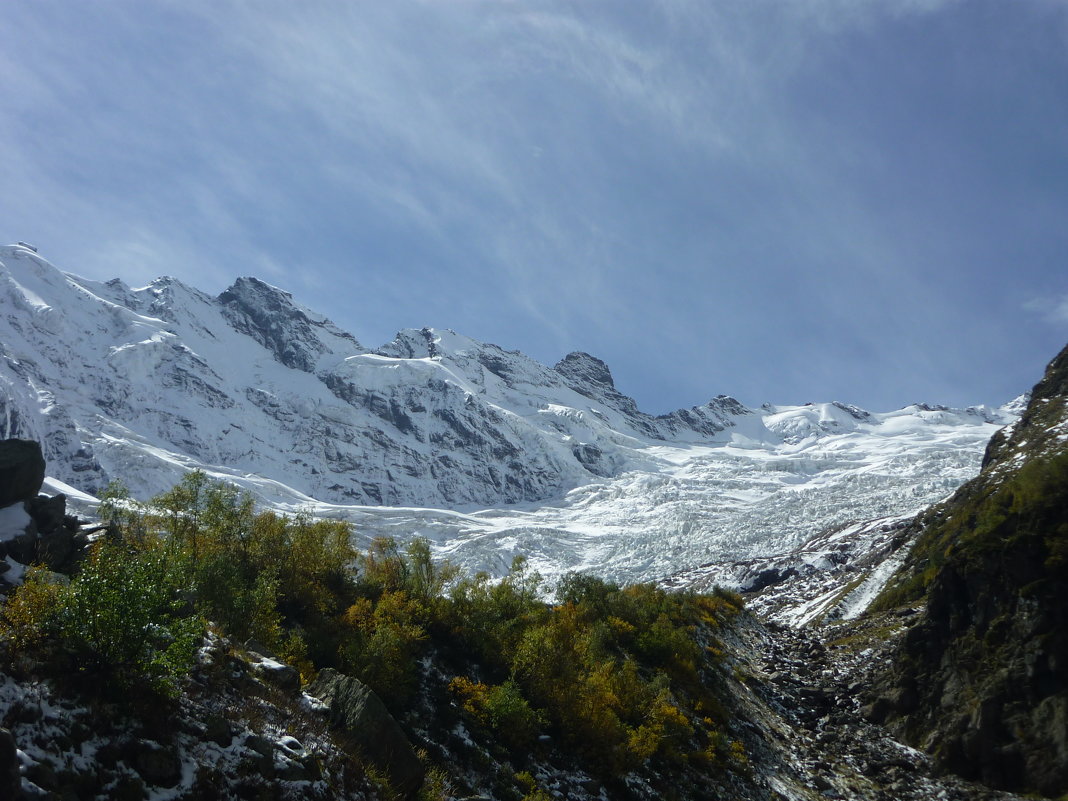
(780, 200)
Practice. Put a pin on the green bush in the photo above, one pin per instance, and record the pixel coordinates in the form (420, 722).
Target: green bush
(502, 709)
(122, 621)
(383, 642)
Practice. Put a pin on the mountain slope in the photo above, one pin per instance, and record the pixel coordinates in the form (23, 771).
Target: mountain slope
(111, 377)
(144, 384)
(982, 681)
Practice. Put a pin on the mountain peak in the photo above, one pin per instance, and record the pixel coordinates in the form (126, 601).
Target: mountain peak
(247, 291)
(582, 368)
(296, 336)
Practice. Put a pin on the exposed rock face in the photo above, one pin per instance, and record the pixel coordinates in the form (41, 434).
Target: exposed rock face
(269, 316)
(10, 780)
(36, 528)
(982, 681)
(591, 377)
(22, 470)
(709, 420)
(360, 713)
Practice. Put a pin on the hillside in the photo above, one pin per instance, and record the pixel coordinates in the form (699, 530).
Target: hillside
(197, 649)
(982, 680)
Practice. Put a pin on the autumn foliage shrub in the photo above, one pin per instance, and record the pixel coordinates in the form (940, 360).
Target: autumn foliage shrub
(122, 623)
(619, 676)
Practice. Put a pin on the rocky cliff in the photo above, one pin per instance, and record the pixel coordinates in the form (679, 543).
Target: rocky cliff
(982, 681)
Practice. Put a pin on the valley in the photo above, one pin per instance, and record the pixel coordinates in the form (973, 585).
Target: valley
(556, 509)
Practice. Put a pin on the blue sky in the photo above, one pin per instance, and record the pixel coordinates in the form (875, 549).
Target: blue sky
(783, 201)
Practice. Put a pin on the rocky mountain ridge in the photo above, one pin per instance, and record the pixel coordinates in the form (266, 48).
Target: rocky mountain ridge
(253, 380)
(483, 450)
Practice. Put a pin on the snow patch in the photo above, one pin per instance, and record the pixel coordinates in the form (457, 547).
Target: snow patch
(13, 521)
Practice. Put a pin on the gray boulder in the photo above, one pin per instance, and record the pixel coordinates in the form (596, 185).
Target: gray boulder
(360, 714)
(22, 470)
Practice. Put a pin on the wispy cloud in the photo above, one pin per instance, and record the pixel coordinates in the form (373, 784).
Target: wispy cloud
(1053, 309)
(796, 183)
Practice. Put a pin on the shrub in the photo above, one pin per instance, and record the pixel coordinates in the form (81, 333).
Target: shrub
(26, 620)
(121, 622)
(384, 639)
(237, 597)
(491, 618)
(501, 708)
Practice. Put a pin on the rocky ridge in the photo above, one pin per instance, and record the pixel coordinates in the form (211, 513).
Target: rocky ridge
(108, 377)
(482, 449)
(981, 681)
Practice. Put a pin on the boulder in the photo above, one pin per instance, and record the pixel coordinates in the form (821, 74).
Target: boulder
(22, 470)
(156, 764)
(361, 715)
(23, 548)
(55, 549)
(278, 674)
(48, 513)
(218, 730)
(10, 781)
(265, 666)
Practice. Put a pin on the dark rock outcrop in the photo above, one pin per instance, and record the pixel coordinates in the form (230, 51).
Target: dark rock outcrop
(48, 512)
(361, 715)
(49, 535)
(22, 470)
(591, 378)
(10, 781)
(269, 315)
(982, 681)
(581, 372)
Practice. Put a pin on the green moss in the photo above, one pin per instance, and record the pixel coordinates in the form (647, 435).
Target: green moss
(986, 520)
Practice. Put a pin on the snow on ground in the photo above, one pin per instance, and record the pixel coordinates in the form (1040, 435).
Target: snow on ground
(13, 521)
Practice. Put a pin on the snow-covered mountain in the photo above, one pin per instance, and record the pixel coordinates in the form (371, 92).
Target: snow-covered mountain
(483, 450)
